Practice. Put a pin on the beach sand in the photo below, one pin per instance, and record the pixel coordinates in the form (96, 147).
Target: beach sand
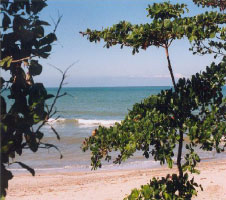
(109, 185)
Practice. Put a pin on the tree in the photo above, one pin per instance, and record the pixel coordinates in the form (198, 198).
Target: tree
(214, 3)
(22, 40)
(193, 108)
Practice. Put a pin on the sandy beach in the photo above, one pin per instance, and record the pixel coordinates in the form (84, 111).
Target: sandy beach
(109, 185)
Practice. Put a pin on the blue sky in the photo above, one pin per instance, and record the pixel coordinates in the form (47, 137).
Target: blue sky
(99, 66)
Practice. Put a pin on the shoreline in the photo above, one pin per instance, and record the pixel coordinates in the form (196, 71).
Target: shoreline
(110, 184)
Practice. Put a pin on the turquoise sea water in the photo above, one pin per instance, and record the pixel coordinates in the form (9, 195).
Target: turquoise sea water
(82, 111)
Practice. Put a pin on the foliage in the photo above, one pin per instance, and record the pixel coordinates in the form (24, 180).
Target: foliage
(167, 20)
(166, 188)
(167, 25)
(156, 121)
(23, 38)
(194, 108)
(217, 44)
(214, 3)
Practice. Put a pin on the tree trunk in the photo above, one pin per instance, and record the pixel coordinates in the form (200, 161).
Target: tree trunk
(170, 67)
(179, 154)
(181, 133)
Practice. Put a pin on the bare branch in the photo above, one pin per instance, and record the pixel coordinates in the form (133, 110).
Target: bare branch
(50, 111)
(56, 68)
(22, 59)
(170, 42)
(57, 22)
(48, 146)
(210, 49)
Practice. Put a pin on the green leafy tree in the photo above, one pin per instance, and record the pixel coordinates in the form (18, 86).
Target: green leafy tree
(23, 40)
(193, 108)
(213, 3)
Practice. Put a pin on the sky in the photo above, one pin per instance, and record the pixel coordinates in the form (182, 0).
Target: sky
(98, 66)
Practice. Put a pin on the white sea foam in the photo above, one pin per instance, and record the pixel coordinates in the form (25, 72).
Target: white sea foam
(83, 122)
(97, 122)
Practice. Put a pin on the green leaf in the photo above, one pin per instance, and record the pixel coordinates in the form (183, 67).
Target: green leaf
(37, 6)
(5, 22)
(212, 35)
(36, 118)
(170, 163)
(46, 48)
(6, 62)
(6, 147)
(40, 22)
(50, 38)
(37, 94)
(167, 23)
(39, 31)
(35, 68)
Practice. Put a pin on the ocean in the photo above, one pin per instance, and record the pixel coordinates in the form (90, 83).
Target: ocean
(81, 111)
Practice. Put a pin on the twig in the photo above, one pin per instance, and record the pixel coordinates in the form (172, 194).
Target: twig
(170, 42)
(48, 146)
(22, 59)
(50, 112)
(58, 21)
(209, 49)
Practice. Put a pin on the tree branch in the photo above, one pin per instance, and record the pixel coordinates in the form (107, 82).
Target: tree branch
(58, 21)
(169, 66)
(49, 111)
(179, 154)
(22, 59)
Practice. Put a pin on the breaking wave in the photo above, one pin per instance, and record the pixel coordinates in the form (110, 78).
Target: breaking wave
(83, 122)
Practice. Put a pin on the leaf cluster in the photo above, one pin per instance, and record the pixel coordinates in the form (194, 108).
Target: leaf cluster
(153, 125)
(213, 3)
(167, 25)
(23, 37)
(194, 109)
(23, 32)
(166, 188)
(166, 10)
